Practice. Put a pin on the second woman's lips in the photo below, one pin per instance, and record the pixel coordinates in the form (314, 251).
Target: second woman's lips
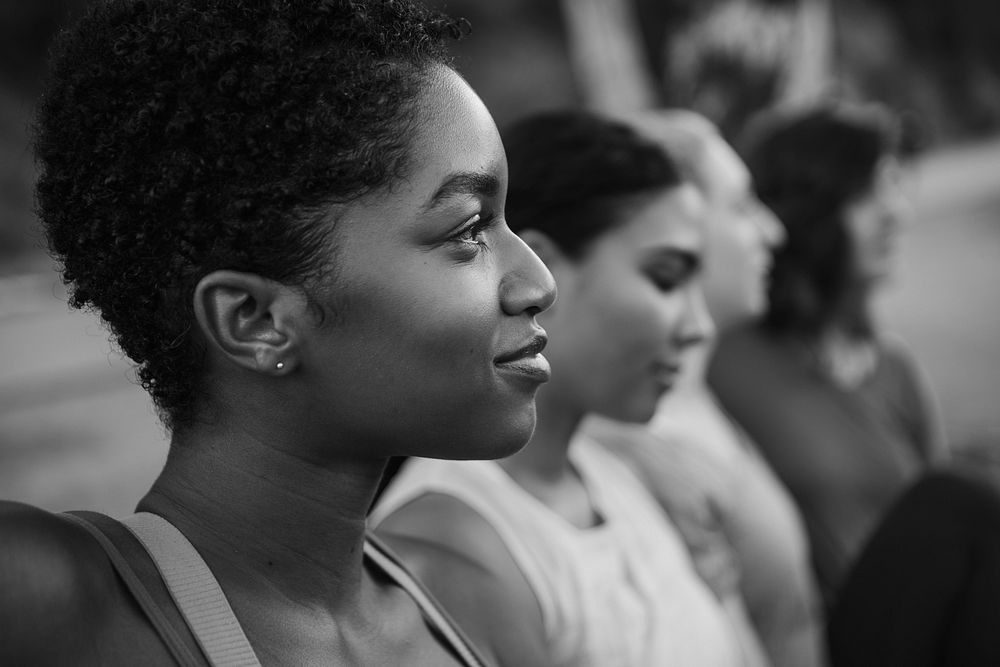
(667, 371)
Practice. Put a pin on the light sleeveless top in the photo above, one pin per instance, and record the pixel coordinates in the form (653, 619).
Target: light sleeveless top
(729, 507)
(623, 593)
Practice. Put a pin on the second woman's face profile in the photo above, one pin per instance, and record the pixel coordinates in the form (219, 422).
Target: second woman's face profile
(434, 349)
(873, 223)
(630, 307)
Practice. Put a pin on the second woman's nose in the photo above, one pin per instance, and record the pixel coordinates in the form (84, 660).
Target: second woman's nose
(696, 324)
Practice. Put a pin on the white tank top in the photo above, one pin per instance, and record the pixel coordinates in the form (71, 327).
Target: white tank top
(623, 593)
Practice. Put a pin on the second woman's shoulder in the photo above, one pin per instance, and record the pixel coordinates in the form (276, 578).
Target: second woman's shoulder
(54, 578)
(440, 534)
(468, 567)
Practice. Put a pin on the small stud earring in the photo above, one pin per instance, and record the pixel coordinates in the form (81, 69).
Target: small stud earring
(280, 365)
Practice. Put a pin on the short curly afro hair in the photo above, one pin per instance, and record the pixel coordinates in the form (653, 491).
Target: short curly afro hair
(179, 137)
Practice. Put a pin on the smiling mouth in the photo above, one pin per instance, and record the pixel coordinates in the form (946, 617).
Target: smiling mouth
(527, 361)
(667, 373)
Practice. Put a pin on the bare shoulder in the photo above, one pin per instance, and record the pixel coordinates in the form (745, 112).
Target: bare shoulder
(55, 582)
(896, 349)
(447, 524)
(465, 563)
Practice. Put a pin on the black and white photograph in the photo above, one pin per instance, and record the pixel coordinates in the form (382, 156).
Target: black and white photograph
(500, 333)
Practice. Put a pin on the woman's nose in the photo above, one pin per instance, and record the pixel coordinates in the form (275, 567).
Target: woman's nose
(527, 285)
(771, 229)
(899, 209)
(696, 324)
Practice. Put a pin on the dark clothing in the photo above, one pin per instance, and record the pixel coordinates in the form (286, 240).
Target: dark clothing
(844, 454)
(926, 589)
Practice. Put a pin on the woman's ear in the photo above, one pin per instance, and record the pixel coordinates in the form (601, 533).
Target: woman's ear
(250, 320)
(542, 244)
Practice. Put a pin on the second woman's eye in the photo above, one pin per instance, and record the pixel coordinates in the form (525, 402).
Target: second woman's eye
(671, 272)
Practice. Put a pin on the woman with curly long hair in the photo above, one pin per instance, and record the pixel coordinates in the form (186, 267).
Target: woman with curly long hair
(841, 410)
(291, 217)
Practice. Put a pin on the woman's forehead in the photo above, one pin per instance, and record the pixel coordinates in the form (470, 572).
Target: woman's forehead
(672, 218)
(454, 133)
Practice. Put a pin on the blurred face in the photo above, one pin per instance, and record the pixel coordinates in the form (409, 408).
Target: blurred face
(741, 234)
(433, 349)
(873, 223)
(629, 308)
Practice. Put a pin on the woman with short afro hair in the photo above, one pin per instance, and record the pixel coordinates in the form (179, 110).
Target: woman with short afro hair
(291, 217)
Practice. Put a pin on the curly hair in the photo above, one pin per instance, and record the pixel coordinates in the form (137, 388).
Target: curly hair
(572, 174)
(179, 137)
(807, 167)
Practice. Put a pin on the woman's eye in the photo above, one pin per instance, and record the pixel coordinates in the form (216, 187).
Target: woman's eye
(474, 232)
(670, 275)
(665, 284)
(665, 281)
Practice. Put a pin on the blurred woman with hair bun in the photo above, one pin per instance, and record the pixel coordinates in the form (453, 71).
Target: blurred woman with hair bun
(841, 410)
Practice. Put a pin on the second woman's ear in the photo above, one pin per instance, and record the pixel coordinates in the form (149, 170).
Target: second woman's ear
(251, 321)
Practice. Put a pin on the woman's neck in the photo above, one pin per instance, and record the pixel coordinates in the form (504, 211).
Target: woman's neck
(851, 318)
(844, 351)
(542, 468)
(545, 458)
(265, 519)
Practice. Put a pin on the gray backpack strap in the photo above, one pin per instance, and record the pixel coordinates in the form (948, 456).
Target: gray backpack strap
(139, 574)
(195, 590)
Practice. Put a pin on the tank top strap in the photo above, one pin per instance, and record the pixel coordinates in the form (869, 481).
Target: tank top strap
(195, 591)
(140, 575)
(189, 611)
(436, 617)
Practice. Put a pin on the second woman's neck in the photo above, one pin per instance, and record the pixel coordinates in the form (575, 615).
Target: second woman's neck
(545, 458)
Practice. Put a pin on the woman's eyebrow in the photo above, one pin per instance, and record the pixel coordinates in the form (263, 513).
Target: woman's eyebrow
(464, 183)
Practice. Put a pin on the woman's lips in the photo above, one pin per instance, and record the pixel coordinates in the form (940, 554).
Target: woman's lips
(527, 360)
(666, 374)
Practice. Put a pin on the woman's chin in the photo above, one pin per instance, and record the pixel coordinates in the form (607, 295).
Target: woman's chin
(638, 411)
(495, 445)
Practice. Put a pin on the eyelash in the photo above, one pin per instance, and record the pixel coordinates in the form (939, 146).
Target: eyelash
(666, 285)
(478, 223)
(669, 280)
